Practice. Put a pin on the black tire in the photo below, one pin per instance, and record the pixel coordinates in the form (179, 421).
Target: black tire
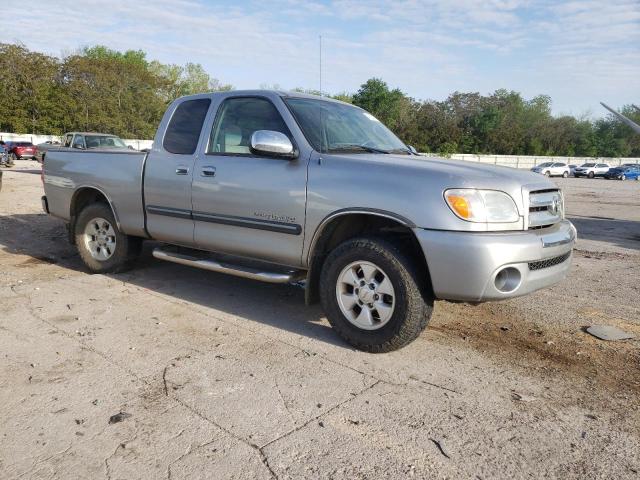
(127, 248)
(623, 177)
(565, 175)
(547, 173)
(413, 296)
(591, 175)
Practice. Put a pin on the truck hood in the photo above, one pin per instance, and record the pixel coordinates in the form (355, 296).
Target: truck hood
(413, 186)
(458, 173)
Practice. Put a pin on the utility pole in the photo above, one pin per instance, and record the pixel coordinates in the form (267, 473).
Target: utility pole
(320, 65)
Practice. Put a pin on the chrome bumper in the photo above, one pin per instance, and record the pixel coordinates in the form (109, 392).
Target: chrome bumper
(469, 266)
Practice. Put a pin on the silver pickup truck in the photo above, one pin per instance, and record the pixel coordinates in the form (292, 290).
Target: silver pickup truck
(285, 187)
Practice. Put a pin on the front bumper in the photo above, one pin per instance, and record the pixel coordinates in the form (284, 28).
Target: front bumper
(464, 265)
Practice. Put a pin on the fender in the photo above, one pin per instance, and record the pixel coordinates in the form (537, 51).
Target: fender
(346, 211)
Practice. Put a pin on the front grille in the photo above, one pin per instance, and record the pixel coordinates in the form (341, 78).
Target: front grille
(545, 208)
(549, 262)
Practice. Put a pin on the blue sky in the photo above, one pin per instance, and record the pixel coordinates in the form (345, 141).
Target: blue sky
(579, 53)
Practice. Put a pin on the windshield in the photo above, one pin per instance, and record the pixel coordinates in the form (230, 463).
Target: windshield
(589, 165)
(546, 164)
(336, 127)
(101, 141)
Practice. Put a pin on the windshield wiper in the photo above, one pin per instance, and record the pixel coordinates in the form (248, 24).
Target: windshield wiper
(355, 146)
(402, 150)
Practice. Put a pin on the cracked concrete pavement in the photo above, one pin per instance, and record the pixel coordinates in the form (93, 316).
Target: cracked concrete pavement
(228, 378)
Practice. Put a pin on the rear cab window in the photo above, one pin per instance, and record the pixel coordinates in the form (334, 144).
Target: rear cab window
(185, 126)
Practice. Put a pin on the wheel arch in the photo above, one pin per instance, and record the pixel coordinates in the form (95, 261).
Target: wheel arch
(349, 223)
(83, 196)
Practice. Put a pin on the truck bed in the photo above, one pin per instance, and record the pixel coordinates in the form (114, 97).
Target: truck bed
(115, 173)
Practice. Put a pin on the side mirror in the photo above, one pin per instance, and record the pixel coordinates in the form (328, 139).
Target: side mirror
(412, 150)
(268, 142)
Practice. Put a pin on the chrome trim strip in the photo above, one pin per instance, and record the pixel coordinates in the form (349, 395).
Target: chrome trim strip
(278, 227)
(558, 238)
(169, 212)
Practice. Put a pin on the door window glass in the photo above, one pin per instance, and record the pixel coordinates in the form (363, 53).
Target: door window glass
(78, 141)
(185, 126)
(238, 119)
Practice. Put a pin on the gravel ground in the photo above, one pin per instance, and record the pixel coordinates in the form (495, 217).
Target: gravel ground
(171, 372)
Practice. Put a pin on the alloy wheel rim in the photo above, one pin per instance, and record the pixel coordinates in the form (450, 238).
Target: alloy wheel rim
(100, 239)
(365, 295)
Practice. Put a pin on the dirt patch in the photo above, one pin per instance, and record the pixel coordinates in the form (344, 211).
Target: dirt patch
(504, 333)
(35, 261)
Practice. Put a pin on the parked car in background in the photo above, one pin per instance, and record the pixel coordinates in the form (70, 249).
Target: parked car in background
(624, 172)
(572, 170)
(4, 158)
(552, 169)
(84, 141)
(19, 150)
(42, 148)
(89, 140)
(592, 170)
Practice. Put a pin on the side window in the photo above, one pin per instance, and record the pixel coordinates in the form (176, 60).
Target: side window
(78, 141)
(237, 119)
(185, 126)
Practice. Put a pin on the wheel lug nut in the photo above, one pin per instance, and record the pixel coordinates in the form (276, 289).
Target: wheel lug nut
(372, 286)
(376, 297)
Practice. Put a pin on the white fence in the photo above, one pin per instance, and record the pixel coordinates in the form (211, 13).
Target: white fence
(36, 139)
(516, 161)
(527, 161)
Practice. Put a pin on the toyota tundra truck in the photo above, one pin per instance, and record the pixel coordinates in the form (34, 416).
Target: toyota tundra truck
(292, 188)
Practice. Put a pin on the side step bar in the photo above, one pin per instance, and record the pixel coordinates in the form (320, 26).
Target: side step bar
(236, 270)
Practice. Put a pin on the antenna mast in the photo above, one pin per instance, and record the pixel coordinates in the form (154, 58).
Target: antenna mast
(320, 65)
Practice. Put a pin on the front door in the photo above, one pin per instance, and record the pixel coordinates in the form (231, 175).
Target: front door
(246, 204)
(169, 171)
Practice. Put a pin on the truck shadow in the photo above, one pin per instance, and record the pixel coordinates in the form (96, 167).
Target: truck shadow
(622, 233)
(231, 299)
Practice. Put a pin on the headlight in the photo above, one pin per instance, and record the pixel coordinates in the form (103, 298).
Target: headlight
(482, 206)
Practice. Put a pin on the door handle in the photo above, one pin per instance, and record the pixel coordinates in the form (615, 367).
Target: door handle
(182, 170)
(208, 171)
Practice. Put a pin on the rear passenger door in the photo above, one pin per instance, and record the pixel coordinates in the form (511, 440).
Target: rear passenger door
(169, 171)
(244, 203)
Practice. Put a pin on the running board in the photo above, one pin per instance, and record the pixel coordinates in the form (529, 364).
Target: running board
(236, 270)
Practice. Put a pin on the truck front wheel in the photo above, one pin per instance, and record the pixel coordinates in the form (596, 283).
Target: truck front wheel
(373, 295)
(102, 247)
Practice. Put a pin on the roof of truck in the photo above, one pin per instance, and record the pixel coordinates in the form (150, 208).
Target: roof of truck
(280, 93)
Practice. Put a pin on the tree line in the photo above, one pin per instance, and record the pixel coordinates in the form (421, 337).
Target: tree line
(99, 89)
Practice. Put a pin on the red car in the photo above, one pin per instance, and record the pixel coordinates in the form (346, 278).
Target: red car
(17, 150)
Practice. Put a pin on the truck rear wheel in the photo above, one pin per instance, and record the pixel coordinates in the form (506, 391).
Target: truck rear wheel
(102, 247)
(373, 296)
